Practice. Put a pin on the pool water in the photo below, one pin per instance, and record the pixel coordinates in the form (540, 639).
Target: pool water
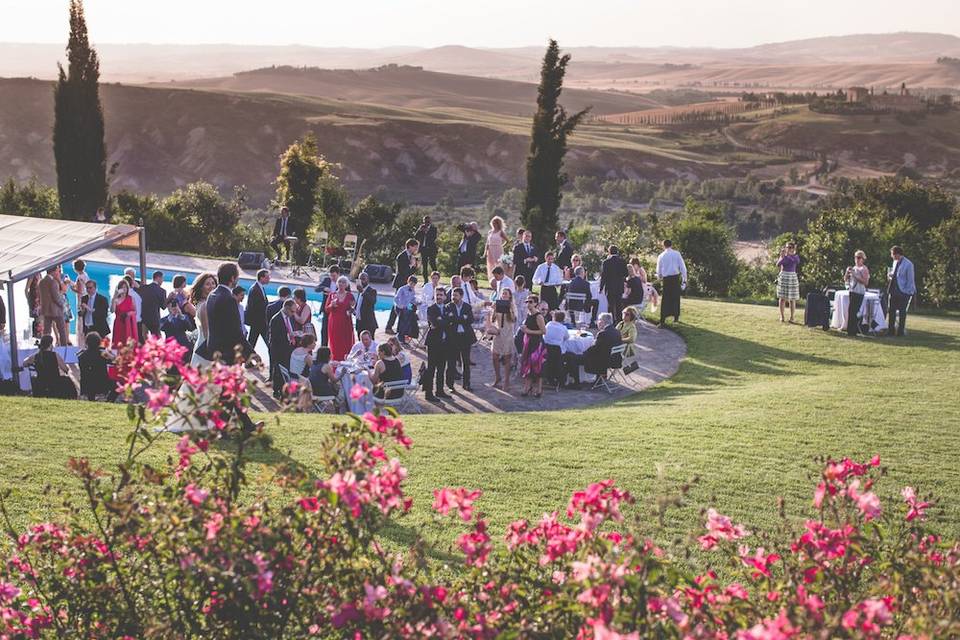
(108, 275)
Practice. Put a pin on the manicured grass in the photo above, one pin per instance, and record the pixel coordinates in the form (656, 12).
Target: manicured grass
(751, 407)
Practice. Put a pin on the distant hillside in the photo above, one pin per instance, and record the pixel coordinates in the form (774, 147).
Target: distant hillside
(414, 88)
(164, 138)
(152, 63)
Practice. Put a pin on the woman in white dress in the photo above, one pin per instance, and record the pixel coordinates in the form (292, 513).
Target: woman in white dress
(203, 286)
(493, 250)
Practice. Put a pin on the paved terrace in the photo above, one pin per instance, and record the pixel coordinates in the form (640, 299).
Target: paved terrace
(659, 354)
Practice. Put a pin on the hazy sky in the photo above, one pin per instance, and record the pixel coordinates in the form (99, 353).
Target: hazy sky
(492, 23)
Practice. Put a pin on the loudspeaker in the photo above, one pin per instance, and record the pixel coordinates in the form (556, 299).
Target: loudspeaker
(379, 273)
(250, 259)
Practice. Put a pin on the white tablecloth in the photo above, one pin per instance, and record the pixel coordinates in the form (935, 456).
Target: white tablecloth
(871, 302)
(602, 297)
(579, 341)
(24, 351)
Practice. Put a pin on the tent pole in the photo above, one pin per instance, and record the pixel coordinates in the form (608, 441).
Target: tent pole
(14, 352)
(142, 241)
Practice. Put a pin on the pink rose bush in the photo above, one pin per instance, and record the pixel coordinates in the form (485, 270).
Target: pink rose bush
(180, 550)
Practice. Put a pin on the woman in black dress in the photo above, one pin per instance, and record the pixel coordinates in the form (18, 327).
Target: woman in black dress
(387, 369)
(634, 291)
(50, 383)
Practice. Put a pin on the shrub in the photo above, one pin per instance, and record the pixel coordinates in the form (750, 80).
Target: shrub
(706, 243)
(172, 551)
(942, 282)
(31, 198)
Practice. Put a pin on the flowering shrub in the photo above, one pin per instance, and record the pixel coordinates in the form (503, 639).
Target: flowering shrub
(171, 551)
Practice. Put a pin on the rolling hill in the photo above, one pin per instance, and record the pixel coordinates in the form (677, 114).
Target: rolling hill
(163, 138)
(414, 88)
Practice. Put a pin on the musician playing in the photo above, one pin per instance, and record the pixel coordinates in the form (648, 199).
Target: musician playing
(281, 236)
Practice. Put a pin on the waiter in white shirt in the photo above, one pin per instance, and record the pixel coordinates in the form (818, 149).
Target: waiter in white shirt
(549, 276)
(673, 272)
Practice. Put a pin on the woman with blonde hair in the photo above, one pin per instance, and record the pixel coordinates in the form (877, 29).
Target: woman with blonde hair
(493, 250)
(857, 278)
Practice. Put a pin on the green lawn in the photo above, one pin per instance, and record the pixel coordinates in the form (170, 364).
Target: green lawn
(751, 407)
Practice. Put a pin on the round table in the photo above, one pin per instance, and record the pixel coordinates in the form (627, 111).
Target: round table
(578, 341)
(869, 308)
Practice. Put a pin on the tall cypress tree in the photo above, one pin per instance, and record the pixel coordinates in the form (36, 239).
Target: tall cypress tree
(78, 145)
(548, 145)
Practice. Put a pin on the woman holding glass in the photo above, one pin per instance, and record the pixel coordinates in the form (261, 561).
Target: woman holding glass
(856, 277)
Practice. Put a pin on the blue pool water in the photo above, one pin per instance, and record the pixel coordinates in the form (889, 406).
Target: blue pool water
(107, 275)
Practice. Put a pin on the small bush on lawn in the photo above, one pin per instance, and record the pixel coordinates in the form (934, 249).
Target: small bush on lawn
(170, 552)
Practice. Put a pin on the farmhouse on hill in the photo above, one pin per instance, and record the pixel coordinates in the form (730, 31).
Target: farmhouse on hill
(902, 101)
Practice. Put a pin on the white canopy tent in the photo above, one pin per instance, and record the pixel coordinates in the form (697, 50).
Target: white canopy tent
(31, 245)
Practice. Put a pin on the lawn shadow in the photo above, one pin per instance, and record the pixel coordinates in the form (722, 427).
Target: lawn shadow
(923, 339)
(717, 359)
(267, 455)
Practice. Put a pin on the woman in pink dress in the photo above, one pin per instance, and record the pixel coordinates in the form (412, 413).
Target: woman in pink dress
(124, 316)
(495, 241)
(339, 308)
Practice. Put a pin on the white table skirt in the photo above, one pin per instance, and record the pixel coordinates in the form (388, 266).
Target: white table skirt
(841, 303)
(578, 343)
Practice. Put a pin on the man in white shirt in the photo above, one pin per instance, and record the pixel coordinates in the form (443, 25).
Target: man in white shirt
(501, 281)
(555, 338)
(428, 294)
(549, 276)
(673, 272)
(365, 350)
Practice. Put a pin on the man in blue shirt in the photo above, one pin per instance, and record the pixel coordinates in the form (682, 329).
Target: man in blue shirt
(900, 290)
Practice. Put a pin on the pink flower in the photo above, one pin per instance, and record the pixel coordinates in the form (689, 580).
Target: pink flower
(158, 399)
(263, 578)
(195, 495)
(8, 592)
(460, 498)
(760, 562)
(720, 527)
(776, 629)
(917, 508)
(598, 502)
(868, 502)
(309, 503)
(213, 526)
(602, 632)
(372, 595)
(358, 391)
(476, 544)
(736, 590)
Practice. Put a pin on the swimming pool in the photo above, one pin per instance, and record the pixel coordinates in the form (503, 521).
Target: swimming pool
(107, 275)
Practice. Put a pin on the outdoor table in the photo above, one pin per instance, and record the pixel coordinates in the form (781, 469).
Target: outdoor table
(870, 307)
(350, 373)
(24, 351)
(579, 341)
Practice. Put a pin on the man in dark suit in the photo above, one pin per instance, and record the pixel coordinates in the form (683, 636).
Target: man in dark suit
(613, 275)
(426, 235)
(225, 333)
(595, 359)
(93, 311)
(255, 315)
(366, 307)
(525, 259)
(579, 284)
(437, 352)
(467, 251)
(564, 252)
(153, 298)
(327, 284)
(175, 325)
(458, 317)
(406, 267)
(281, 231)
(281, 343)
(273, 308)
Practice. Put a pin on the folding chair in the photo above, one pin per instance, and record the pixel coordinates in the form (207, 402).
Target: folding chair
(403, 400)
(618, 371)
(322, 403)
(350, 251)
(578, 309)
(606, 380)
(319, 244)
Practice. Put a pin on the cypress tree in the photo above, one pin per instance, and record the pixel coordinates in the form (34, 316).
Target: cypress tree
(548, 145)
(78, 145)
(298, 186)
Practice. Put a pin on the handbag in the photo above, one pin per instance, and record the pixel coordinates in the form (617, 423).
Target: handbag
(630, 368)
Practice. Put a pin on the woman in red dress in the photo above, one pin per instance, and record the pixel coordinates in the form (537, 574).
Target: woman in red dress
(339, 308)
(125, 316)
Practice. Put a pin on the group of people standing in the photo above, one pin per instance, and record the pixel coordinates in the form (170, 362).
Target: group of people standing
(900, 288)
